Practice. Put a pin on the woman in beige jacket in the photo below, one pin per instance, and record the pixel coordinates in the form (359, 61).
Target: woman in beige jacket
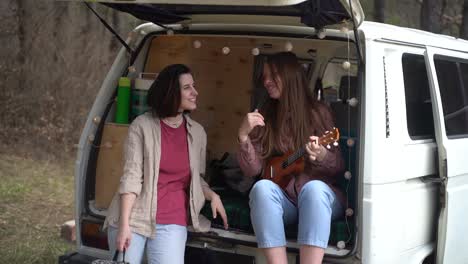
(161, 191)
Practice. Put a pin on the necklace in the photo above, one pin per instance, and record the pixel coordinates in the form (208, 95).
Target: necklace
(173, 124)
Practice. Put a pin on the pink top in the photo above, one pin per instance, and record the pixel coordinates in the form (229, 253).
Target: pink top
(174, 176)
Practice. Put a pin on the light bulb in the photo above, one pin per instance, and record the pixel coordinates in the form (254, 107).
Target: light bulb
(97, 119)
(341, 244)
(170, 32)
(288, 46)
(350, 142)
(255, 51)
(346, 65)
(321, 34)
(353, 102)
(226, 50)
(197, 44)
(348, 175)
(349, 212)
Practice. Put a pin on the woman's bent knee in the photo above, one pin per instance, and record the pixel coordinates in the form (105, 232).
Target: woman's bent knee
(262, 188)
(317, 191)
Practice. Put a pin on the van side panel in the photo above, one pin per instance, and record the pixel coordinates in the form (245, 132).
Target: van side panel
(398, 207)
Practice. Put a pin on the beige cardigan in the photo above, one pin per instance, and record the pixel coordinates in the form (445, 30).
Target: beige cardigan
(142, 154)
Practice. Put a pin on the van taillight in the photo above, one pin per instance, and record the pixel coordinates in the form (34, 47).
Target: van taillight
(93, 236)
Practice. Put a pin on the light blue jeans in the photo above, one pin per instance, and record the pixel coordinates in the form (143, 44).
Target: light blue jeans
(168, 247)
(271, 210)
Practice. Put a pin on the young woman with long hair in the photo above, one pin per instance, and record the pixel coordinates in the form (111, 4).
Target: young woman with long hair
(290, 119)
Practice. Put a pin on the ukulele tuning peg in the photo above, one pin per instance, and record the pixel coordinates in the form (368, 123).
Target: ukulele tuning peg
(335, 144)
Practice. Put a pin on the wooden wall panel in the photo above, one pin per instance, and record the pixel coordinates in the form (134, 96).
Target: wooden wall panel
(224, 82)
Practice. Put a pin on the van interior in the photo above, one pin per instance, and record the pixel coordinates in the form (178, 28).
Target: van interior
(227, 72)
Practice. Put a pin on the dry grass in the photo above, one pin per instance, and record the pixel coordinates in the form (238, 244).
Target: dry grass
(36, 197)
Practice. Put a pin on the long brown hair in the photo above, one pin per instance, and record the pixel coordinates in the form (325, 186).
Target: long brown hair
(296, 115)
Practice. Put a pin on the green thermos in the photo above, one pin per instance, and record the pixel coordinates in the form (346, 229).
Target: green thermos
(123, 101)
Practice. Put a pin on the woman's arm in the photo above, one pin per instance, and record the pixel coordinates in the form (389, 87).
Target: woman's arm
(323, 161)
(249, 158)
(132, 178)
(210, 195)
(329, 165)
(248, 155)
(130, 183)
(124, 235)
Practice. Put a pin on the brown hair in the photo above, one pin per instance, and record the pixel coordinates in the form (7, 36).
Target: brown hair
(164, 94)
(296, 115)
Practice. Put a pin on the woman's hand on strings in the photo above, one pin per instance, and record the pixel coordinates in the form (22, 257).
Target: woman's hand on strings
(315, 151)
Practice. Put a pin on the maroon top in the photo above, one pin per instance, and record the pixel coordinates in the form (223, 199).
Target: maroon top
(174, 176)
(328, 170)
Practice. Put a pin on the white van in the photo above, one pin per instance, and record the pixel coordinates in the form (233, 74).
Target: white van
(400, 97)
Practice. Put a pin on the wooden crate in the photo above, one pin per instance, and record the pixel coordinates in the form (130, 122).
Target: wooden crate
(110, 163)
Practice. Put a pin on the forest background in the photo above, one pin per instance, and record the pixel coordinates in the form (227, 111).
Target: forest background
(54, 56)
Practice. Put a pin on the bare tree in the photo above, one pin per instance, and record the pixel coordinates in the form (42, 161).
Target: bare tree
(379, 10)
(431, 14)
(464, 22)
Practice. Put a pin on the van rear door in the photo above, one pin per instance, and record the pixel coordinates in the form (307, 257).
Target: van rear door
(316, 13)
(449, 91)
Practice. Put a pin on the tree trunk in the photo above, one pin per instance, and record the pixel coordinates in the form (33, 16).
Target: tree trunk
(431, 13)
(379, 10)
(464, 25)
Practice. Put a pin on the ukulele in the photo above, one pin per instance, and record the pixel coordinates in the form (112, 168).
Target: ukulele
(281, 169)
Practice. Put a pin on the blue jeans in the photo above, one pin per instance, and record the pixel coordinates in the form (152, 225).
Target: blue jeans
(271, 210)
(167, 247)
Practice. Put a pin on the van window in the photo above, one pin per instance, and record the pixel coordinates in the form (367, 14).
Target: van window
(419, 117)
(453, 85)
(334, 89)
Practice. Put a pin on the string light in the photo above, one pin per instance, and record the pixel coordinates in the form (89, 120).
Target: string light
(288, 46)
(170, 32)
(97, 119)
(321, 34)
(197, 44)
(346, 65)
(350, 142)
(226, 50)
(349, 212)
(341, 244)
(348, 175)
(255, 51)
(132, 68)
(352, 102)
